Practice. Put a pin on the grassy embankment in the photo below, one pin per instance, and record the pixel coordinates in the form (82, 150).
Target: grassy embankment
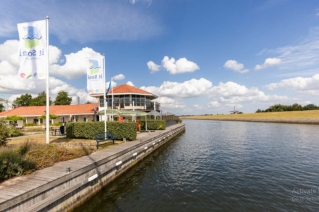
(309, 116)
(26, 154)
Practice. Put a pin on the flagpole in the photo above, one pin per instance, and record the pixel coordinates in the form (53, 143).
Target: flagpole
(47, 86)
(112, 99)
(105, 104)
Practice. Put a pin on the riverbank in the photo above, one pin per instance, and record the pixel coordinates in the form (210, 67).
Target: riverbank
(69, 183)
(293, 117)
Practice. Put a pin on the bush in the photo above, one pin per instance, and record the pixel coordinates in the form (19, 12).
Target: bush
(87, 130)
(30, 124)
(4, 133)
(12, 164)
(45, 155)
(153, 125)
(14, 132)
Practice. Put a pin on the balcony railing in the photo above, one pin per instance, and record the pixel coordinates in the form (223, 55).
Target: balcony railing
(137, 105)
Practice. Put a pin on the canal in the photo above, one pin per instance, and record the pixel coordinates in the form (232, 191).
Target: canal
(222, 166)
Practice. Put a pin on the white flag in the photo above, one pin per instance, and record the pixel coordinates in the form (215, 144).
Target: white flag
(33, 50)
(95, 75)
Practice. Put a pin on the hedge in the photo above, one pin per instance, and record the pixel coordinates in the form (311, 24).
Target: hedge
(154, 125)
(87, 130)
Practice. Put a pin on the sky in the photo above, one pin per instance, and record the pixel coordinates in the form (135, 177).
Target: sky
(197, 56)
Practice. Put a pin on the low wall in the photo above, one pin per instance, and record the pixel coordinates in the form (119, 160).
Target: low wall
(66, 190)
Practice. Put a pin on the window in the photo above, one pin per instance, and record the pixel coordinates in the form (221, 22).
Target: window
(127, 100)
(142, 100)
(134, 100)
(101, 101)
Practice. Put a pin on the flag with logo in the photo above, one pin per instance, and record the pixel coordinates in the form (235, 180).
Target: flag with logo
(33, 50)
(95, 75)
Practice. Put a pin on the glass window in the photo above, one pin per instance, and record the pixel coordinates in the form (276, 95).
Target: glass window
(116, 101)
(142, 101)
(101, 101)
(127, 100)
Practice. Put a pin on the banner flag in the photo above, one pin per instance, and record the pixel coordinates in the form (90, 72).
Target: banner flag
(107, 91)
(95, 75)
(33, 50)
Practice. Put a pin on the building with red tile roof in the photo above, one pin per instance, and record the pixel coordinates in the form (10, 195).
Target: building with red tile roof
(79, 112)
(123, 97)
(127, 97)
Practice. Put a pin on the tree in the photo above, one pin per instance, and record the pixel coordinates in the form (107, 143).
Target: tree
(88, 102)
(62, 98)
(311, 107)
(1, 107)
(40, 100)
(296, 107)
(23, 100)
(51, 116)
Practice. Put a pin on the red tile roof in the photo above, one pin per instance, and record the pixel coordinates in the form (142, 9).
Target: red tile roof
(125, 88)
(56, 110)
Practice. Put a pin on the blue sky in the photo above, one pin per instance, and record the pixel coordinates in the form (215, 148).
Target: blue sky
(198, 56)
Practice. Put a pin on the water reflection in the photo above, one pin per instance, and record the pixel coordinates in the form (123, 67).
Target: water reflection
(226, 166)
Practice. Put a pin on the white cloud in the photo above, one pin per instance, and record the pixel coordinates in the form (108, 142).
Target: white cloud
(182, 65)
(119, 77)
(103, 20)
(307, 85)
(153, 66)
(231, 93)
(75, 64)
(169, 103)
(9, 65)
(58, 85)
(268, 62)
(130, 83)
(300, 56)
(213, 104)
(186, 89)
(234, 65)
(148, 2)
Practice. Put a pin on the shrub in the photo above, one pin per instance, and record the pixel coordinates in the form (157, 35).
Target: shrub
(87, 130)
(4, 133)
(45, 155)
(153, 125)
(12, 164)
(14, 132)
(30, 124)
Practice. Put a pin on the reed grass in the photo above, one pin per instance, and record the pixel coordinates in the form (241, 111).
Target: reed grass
(311, 116)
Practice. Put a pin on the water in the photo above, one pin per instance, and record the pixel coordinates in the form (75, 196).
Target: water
(223, 166)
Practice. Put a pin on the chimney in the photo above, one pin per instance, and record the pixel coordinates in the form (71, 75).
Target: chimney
(78, 99)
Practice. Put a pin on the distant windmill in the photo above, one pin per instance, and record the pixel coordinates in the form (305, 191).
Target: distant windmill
(234, 111)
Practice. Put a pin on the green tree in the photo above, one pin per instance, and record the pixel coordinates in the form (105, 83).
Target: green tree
(2, 108)
(63, 98)
(296, 107)
(23, 100)
(311, 107)
(40, 100)
(51, 116)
